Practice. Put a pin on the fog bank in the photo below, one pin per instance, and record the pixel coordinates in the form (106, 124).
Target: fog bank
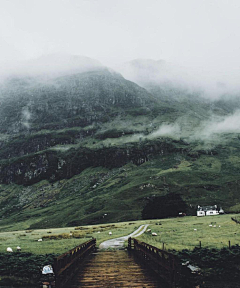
(210, 84)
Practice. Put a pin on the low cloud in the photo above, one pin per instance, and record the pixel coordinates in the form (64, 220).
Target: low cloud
(210, 84)
(49, 66)
(26, 116)
(211, 131)
(167, 130)
(220, 125)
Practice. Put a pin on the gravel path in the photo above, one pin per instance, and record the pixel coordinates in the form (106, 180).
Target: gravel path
(118, 243)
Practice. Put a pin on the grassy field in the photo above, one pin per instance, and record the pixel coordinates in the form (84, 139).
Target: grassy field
(60, 240)
(185, 233)
(175, 233)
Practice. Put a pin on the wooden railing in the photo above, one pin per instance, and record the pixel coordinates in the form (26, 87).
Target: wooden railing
(66, 265)
(165, 264)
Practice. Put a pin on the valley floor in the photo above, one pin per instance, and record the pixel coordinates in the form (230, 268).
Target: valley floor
(176, 233)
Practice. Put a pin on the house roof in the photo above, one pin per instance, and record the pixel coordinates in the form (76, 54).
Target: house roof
(207, 208)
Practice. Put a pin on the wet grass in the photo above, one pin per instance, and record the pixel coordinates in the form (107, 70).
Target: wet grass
(175, 233)
(187, 232)
(60, 240)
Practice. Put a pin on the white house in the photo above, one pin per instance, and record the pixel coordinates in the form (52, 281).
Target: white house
(209, 210)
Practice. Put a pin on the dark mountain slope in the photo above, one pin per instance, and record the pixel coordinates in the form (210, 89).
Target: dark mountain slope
(81, 145)
(75, 100)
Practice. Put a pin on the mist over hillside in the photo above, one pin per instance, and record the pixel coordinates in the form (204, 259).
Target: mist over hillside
(212, 85)
(48, 67)
(79, 140)
(177, 86)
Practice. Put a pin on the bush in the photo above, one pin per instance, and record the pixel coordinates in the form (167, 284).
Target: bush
(219, 264)
(57, 237)
(26, 266)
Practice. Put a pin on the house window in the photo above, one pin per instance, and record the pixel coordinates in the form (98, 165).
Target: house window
(211, 212)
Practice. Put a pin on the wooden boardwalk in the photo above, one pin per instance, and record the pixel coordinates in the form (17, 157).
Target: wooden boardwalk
(114, 269)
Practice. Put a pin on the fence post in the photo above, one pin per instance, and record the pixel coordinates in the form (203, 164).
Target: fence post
(129, 243)
(163, 246)
(200, 244)
(229, 244)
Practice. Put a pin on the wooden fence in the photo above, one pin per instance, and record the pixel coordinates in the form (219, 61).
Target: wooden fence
(165, 264)
(66, 265)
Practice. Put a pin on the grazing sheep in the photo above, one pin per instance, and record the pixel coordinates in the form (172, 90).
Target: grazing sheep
(154, 234)
(195, 229)
(148, 230)
(110, 233)
(9, 249)
(39, 240)
(18, 248)
(70, 234)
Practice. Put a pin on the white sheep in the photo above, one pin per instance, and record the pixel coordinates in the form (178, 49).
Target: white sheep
(110, 233)
(148, 230)
(195, 229)
(154, 234)
(18, 248)
(39, 240)
(9, 249)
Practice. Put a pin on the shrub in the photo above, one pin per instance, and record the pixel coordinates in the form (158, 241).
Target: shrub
(25, 266)
(80, 228)
(215, 263)
(78, 234)
(57, 236)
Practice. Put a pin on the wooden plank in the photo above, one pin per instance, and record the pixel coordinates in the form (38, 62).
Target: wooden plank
(114, 269)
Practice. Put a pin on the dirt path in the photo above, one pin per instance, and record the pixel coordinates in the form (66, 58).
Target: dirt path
(118, 243)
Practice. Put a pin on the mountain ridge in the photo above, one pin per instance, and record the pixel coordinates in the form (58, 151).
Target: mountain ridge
(76, 147)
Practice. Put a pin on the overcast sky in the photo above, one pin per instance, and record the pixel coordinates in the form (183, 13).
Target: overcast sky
(202, 34)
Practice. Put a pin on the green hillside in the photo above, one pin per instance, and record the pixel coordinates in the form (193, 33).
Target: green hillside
(94, 147)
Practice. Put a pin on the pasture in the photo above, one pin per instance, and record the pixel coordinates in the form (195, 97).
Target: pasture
(187, 232)
(60, 240)
(176, 233)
